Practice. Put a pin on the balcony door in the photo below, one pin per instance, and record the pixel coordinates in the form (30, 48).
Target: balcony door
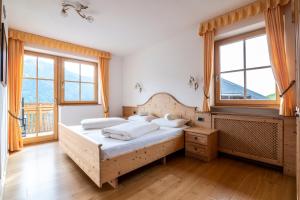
(39, 109)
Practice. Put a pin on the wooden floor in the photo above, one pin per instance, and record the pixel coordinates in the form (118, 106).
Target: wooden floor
(45, 172)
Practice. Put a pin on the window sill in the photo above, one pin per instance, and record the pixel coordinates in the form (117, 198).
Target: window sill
(247, 110)
(262, 107)
(79, 104)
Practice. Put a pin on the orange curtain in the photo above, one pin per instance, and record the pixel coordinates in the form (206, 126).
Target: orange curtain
(208, 67)
(15, 74)
(234, 16)
(104, 74)
(56, 44)
(275, 34)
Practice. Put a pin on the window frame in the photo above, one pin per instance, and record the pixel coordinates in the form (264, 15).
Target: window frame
(217, 69)
(54, 136)
(62, 81)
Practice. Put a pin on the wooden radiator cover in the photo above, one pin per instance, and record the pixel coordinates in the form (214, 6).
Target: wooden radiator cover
(254, 138)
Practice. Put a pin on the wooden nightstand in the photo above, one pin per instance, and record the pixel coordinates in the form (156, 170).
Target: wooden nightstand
(201, 143)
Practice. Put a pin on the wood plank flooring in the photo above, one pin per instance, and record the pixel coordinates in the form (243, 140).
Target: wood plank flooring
(44, 172)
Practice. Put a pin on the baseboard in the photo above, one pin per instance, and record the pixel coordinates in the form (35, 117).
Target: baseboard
(3, 178)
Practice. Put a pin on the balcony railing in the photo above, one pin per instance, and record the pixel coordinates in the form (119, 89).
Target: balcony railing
(39, 119)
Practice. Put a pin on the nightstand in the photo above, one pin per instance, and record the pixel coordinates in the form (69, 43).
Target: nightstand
(201, 143)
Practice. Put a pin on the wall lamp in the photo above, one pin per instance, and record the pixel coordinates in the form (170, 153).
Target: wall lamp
(138, 86)
(193, 83)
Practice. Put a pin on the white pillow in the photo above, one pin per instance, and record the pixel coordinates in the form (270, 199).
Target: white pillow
(169, 116)
(139, 118)
(176, 123)
(100, 123)
(142, 113)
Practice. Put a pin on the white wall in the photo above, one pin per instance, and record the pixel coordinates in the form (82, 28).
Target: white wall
(116, 89)
(3, 132)
(3, 128)
(72, 115)
(166, 67)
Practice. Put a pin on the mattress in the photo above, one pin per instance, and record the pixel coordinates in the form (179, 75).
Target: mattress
(111, 147)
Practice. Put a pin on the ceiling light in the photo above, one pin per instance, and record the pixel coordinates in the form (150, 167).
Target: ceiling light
(78, 7)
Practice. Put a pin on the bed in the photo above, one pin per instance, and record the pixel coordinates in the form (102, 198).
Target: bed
(105, 159)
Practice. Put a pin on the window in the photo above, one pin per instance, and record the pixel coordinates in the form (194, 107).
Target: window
(79, 82)
(38, 77)
(42, 74)
(243, 71)
(39, 94)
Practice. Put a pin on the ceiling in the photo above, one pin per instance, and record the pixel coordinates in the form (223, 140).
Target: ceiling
(120, 26)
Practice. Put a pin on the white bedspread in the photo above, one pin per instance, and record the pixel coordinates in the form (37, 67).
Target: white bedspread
(130, 130)
(111, 147)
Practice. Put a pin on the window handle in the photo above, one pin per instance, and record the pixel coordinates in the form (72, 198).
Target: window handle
(217, 77)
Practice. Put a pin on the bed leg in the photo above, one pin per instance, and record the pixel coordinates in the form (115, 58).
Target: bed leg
(114, 183)
(164, 160)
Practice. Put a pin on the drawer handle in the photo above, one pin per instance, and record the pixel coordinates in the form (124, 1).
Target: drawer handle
(196, 138)
(196, 149)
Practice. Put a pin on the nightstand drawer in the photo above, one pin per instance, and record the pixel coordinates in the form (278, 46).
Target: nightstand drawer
(196, 148)
(195, 138)
(201, 143)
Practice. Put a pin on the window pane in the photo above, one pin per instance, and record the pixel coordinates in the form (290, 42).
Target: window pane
(232, 85)
(257, 53)
(87, 92)
(87, 73)
(46, 68)
(71, 91)
(29, 66)
(231, 56)
(29, 91)
(261, 84)
(46, 91)
(71, 71)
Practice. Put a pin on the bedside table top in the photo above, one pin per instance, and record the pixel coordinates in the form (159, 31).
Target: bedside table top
(201, 130)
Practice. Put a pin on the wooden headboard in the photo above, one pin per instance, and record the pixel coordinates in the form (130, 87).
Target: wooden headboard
(161, 103)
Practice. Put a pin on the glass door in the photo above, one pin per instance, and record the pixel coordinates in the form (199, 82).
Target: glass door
(39, 108)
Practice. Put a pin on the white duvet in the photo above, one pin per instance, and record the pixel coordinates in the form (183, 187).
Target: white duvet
(130, 130)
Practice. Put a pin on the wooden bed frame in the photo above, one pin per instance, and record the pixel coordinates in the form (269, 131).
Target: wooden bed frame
(87, 154)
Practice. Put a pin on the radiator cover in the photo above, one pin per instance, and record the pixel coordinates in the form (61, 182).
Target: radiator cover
(254, 138)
